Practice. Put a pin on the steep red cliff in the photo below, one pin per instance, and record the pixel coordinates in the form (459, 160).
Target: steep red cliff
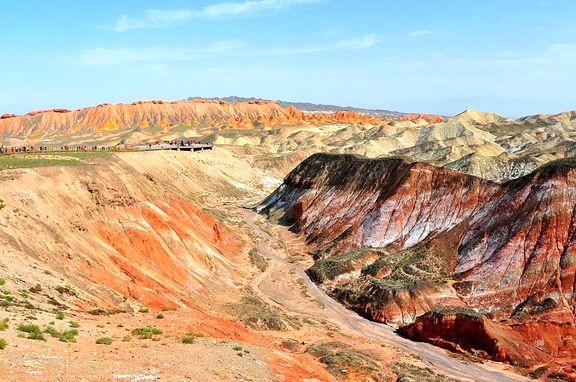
(396, 239)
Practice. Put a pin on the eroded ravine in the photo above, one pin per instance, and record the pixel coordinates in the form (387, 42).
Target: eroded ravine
(348, 321)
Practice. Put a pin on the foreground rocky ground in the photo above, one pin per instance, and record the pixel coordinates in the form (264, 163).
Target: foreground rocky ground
(125, 266)
(147, 266)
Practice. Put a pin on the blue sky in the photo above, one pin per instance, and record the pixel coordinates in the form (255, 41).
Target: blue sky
(515, 57)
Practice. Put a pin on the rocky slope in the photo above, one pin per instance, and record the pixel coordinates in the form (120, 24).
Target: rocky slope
(481, 144)
(123, 238)
(160, 115)
(397, 239)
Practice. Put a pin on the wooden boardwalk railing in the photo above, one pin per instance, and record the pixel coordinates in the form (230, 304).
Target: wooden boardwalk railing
(118, 148)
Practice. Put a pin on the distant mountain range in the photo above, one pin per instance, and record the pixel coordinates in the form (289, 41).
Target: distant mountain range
(310, 107)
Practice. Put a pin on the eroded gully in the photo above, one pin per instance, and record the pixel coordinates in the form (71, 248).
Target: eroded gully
(349, 321)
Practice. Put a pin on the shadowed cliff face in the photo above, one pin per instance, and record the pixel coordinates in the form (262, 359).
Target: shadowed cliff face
(396, 239)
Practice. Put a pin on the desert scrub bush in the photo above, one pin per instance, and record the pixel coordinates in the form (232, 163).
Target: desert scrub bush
(126, 338)
(340, 357)
(65, 290)
(24, 294)
(146, 332)
(258, 260)
(104, 341)
(64, 336)
(68, 335)
(7, 299)
(74, 324)
(257, 314)
(3, 344)
(191, 337)
(159, 316)
(143, 310)
(291, 345)
(169, 308)
(2, 282)
(3, 324)
(411, 372)
(58, 314)
(34, 331)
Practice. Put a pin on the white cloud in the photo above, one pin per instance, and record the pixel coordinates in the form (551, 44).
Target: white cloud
(359, 43)
(120, 56)
(157, 18)
(162, 54)
(419, 33)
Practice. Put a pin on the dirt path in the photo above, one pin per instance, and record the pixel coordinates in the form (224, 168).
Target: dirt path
(269, 285)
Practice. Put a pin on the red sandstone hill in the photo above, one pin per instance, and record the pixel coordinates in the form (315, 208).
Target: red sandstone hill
(397, 239)
(165, 115)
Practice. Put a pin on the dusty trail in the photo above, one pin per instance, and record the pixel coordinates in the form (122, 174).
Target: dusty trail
(348, 321)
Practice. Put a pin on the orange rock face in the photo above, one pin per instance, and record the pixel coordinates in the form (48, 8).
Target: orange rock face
(445, 239)
(121, 238)
(106, 117)
(431, 119)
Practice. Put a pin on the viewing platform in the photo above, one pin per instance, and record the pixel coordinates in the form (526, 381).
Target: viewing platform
(175, 147)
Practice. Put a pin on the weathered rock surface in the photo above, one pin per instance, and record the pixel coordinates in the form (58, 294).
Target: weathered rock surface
(464, 330)
(397, 239)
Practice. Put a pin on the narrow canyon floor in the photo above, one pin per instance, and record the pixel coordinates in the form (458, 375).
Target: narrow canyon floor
(254, 315)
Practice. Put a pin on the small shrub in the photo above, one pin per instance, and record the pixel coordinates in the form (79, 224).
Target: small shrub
(104, 341)
(59, 314)
(64, 336)
(51, 330)
(36, 289)
(169, 308)
(2, 282)
(258, 260)
(68, 335)
(65, 290)
(34, 331)
(126, 338)
(146, 332)
(4, 324)
(74, 324)
(24, 294)
(291, 345)
(159, 316)
(144, 310)
(237, 348)
(191, 337)
(3, 343)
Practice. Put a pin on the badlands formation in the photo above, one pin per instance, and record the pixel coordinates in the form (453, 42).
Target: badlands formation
(239, 263)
